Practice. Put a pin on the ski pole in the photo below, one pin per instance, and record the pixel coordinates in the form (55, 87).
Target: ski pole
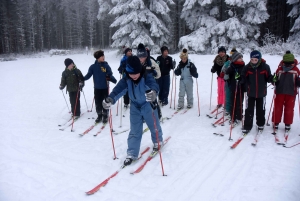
(75, 109)
(198, 97)
(121, 116)
(157, 139)
(241, 105)
(233, 110)
(274, 111)
(66, 101)
(299, 105)
(85, 100)
(212, 75)
(118, 103)
(267, 124)
(172, 88)
(92, 105)
(175, 93)
(111, 135)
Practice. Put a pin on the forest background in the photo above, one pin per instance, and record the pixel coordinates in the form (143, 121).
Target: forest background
(32, 26)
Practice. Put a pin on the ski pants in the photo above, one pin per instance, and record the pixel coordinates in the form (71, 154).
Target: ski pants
(137, 115)
(73, 97)
(186, 87)
(260, 112)
(238, 98)
(228, 103)
(288, 103)
(100, 95)
(221, 93)
(164, 88)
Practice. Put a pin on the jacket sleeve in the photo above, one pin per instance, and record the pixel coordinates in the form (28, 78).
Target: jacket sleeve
(89, 74)
(177, 71)
(193, 71)
(63, 81)
(119, 90)
(80, 76)
(269, 77)
(110, 75)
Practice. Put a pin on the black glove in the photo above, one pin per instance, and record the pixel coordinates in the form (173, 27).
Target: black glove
(61, 87)
(213, 70)
(107, 102)
(107, 78)
(81, 85)
(174, 63)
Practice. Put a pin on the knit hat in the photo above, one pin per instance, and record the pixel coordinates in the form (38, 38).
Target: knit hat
(134, 65)
(184, 54)
(163, 48)
(98, 54)
(288, 58)
(68, 62)
(141, 51)
(221, 49)
(233, 50)
(255, 54)
(126, 49)
(235, 56)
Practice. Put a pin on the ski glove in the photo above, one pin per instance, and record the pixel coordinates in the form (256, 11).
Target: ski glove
(213, 70)
(174, 63)
(81, 85)
(150, 96)
(107, 102)
(61, 87)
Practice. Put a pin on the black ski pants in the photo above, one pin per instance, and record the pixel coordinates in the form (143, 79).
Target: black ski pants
(73, 96)
(100, 95)
(260, 112)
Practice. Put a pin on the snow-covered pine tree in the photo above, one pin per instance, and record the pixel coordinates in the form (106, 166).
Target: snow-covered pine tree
(138, 23)
(201, 17)
(241, 29)
(295, 14)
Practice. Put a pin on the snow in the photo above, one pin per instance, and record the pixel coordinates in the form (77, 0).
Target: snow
(40, 162)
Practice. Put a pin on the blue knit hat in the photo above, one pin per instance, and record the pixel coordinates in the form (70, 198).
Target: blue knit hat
(134, 65)
(255, 54)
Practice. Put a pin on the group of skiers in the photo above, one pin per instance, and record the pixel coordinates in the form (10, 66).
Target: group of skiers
(142, 80)
(235, 78)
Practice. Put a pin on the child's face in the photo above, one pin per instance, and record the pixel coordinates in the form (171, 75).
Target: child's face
(142, 59)
(222, 54)
(129, 53)
(70, 67)
(254, 60)
(183, 59)
(165, 53)
(240, 59)
(101, 59)
(134, 76)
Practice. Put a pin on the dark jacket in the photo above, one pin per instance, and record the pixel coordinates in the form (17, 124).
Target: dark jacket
(71, 78)
(288, 81)
(123, 63)
(189, 65)
(255, 79)
(101, 73)
(165, 65)
(234, 69)
(217, 68)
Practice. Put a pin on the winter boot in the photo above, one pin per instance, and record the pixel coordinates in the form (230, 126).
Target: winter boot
(99, 118)
(287, 127)
(104, 120)
(260, 128)
(128, 161)
(155, 147)
(275, 126)
(179, 107)
(245, 131)
(189, 106)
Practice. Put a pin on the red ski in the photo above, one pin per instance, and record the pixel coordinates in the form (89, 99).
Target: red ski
(94, 190)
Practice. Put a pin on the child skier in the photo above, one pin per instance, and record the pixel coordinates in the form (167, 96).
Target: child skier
(165, 65)
(101, 73)
(286, 80)
(142, 89)
(121, 69)
(219, 61)
(236, 88)
(73, 78)
(186, 69)
(255, 76)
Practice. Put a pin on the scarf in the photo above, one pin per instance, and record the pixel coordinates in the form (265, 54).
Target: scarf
(287, 68)
(255, 65)
(220, 60)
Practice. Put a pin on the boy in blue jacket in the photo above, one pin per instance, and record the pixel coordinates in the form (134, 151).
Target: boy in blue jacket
(101, 73)
(142, 89)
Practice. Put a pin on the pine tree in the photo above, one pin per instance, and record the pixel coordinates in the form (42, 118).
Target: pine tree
(295, 14)
(201, 17)
(139, 24)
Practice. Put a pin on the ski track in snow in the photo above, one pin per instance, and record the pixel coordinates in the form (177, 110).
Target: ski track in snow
(40, 162)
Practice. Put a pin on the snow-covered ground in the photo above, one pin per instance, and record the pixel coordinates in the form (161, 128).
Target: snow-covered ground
(40, 162)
